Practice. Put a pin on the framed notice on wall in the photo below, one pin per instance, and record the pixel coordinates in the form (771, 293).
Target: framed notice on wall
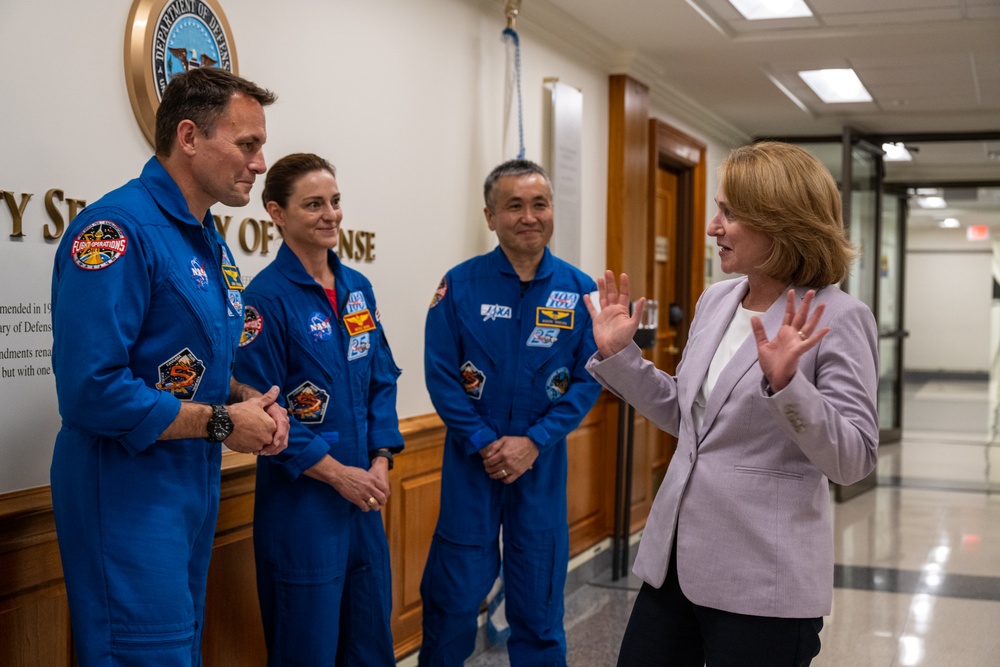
(564, 111)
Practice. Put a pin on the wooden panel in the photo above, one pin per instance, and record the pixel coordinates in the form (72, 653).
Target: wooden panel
(34, 618)
(628, 179)
(36, 634)
(412, 515)
(590, 483)
(234, 636)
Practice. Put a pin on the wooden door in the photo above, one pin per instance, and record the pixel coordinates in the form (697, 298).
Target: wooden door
(664, 280)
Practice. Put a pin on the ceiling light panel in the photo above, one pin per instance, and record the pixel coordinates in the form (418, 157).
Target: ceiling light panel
(758, 10)
(836, 86)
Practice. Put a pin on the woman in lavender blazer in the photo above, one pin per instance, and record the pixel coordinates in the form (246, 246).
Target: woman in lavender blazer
(774, 396)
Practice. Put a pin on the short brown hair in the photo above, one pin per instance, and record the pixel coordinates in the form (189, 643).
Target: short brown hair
(785, 192)
(200, 95)
(283, 174)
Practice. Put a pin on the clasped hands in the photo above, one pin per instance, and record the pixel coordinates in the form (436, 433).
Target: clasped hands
(260, 424)
(509, 457)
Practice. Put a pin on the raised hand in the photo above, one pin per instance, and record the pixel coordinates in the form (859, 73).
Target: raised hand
(799, 333)
(613, 326)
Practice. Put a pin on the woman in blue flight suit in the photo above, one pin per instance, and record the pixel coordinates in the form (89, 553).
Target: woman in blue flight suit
(312, 329)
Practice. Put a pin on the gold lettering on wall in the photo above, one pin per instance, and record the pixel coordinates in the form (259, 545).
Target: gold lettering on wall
(75, 206)
(16, 212)
(254, 235)
(357, 245)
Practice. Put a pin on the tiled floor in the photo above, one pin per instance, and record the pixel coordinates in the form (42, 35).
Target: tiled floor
(918, 557)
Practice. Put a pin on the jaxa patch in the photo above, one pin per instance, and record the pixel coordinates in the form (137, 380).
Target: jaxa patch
(307, 403)
(319, 327)
(560, 318)
(543, 337)
(557, 384)
(473, 380)
(493, 311)
(562, 300)
(253, 324)
(440, 292)
(99, 245)
(198, 273)
(355, 303)
(181, 375)
(358, 346)
(359, 322)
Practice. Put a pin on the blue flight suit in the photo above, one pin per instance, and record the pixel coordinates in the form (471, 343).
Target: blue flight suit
(504, 358)
(322, 562)
(147, 311)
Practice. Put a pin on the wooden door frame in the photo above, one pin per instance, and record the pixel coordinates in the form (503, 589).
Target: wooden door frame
(637, 145)
(682, 154)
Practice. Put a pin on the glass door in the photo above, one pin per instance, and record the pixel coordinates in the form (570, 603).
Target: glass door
(890, 316)
(861, 188)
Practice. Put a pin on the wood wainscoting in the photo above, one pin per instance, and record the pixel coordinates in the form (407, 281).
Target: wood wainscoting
(34, 615)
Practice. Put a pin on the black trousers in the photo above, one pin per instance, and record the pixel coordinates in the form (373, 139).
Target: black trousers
(666, 629)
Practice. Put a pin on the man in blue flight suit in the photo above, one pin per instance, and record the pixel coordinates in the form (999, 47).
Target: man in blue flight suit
(147, 314)
(507, 338)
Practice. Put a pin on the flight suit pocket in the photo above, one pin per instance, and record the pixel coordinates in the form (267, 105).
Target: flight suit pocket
(142, 644)
(302, 603)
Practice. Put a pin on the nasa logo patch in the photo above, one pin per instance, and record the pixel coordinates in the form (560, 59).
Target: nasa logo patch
(198, 273)
(98, 246)
(319, 327)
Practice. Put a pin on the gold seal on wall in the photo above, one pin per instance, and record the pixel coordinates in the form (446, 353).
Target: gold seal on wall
(164, 38)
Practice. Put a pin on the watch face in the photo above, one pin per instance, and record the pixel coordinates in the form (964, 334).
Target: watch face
(220, 426)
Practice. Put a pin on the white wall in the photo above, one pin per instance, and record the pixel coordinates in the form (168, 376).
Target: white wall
(948, 298)
(405, 98)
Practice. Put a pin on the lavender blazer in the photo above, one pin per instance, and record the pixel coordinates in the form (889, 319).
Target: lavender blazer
(748, 496)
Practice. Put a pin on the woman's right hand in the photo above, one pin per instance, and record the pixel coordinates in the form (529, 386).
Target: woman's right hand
(357, 485)
(613, 326)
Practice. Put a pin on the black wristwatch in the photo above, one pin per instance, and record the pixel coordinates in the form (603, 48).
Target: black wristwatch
(220, 426)
(384, 453)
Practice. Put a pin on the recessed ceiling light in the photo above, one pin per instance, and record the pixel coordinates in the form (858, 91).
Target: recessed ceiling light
(757, 10)
(949, 223)
(931, 202)
(896, 153)
(836, 86)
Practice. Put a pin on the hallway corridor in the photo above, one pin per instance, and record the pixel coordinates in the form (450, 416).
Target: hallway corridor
(917, 559)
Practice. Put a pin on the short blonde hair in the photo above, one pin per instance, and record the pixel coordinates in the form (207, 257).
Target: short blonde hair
(785, 192)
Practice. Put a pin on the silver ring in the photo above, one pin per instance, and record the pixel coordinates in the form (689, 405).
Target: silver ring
(503, 473)
(802, 334)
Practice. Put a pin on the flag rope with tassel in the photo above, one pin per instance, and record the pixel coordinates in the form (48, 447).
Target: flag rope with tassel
(512, 87)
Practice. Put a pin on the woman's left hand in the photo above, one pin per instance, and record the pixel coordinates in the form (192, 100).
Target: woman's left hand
(799, 333)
